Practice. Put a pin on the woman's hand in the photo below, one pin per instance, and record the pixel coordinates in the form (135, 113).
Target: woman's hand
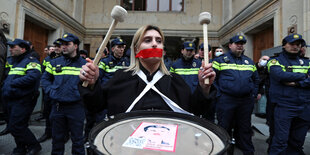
(89, 72)
(204, 73)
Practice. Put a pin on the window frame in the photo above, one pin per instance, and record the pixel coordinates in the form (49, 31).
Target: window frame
(145, 1)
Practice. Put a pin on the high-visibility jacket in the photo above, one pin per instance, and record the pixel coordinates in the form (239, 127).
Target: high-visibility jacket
(235, 76)
(22, 78)
(61, 77)
(109, 65)
(286, 68)
(188, 70)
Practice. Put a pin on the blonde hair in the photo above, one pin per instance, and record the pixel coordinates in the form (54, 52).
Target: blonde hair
(136, 42)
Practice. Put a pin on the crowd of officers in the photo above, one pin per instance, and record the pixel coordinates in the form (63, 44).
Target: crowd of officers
(283, 78)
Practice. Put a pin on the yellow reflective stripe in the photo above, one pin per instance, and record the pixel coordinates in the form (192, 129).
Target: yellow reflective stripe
(17, 71)
(49, 68)
(67, 71)
(101, 65)
(274, 62)
(225, 66)
(187, 71)
(295, 69)
(7, 65)
(33, 65)
(172, 70)
(44, 63)
(22, 70)
(114, 69)
(216, 65)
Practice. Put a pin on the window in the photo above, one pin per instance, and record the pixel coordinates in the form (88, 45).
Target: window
(153, 5)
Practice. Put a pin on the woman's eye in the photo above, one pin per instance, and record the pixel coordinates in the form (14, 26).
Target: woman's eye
(147, 40)
(158, 40)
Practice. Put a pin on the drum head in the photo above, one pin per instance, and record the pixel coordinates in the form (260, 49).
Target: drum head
(194, 135)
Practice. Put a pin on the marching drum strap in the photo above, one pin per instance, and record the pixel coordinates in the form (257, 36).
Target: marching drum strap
(150, 85)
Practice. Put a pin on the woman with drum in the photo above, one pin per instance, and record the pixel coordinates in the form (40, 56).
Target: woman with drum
(146, 84)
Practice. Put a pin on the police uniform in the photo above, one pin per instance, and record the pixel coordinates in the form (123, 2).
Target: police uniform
(291, 113)
(60, 82)
(20, 92)
(46, 99)
(237, 85)
(187, 69)
(110, 64)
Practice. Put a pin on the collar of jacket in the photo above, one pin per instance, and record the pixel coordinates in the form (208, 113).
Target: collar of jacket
(20, 57)
(73, 58)
(290, 55)
(234, 55)
(189, 60)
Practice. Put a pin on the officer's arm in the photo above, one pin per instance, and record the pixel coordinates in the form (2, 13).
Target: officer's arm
(47, 78)
(256, 81)
(33, 74)
(43, 66)
(278, 72)
(305, 83)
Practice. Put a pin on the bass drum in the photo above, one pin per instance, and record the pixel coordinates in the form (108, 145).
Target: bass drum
(194, 135)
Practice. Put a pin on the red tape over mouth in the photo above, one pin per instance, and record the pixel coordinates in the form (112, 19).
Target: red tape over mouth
(151, 52)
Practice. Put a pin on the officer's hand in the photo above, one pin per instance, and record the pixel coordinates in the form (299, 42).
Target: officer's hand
(259, 96)
(89, 72)
(292, 84)
(204, 73)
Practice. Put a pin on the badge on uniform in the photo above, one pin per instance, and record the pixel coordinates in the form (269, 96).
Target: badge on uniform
(123, 63)
(301, 62)
(246, 62)
(33, 64)
(274, 61)
(226, 59)
(194, 64)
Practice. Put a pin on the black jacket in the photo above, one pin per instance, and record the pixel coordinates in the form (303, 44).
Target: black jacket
(118, 94)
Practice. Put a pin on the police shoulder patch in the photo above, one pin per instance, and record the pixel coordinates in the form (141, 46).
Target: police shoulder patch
(34, 64)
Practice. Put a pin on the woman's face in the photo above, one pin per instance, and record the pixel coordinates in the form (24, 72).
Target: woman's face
(151, 39)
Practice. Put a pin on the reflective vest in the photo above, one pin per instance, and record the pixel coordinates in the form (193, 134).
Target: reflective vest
(60, 81)
(235, 76)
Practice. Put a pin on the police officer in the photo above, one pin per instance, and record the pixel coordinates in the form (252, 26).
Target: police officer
(237, 85)
(201, 51)
(59, 82)
(116, 60)
(289, 90)
(54, 52)
(187, 66)
(20, 92)
(58, 49)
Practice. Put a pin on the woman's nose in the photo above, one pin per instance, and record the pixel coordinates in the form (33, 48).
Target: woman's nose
(154, 43)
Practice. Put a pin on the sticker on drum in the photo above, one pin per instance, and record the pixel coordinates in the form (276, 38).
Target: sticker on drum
(193, 135)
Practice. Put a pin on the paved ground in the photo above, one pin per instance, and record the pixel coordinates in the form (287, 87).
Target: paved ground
(7, 142)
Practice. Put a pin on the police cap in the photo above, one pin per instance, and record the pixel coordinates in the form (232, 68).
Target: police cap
(292, 38)
(68, 37)
(19, 42)
(189, 45)
(57, 42)
(201, 46)
(117, 41)
(238, 39)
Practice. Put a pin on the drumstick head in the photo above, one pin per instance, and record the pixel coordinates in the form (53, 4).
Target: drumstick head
(204, 18)
(118, 13)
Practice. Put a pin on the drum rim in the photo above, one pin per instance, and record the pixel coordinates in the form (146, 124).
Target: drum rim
(217, 130)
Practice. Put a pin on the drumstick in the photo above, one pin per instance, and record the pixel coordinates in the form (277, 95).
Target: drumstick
(204, 20)
(118, 14)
